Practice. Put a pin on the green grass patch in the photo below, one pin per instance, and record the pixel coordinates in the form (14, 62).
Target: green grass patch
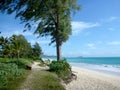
(12, 72)
(16, 83)
(22, 63)
(44, 80)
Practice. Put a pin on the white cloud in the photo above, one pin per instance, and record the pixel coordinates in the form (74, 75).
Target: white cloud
(99, 42)
(44, 42)
(27, 33)
(76, 54)
(85, 53)
(87, 33)
(111, 29)
(109, 19)
(112, 19)
(77, 27)
(91, 45)
(39, 41)
(10, 33)
(114, 43)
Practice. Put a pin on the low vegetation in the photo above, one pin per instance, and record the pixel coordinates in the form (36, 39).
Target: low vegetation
(16, 82)
(61, 67)
(13, 66)
(63, 70)
(21, 63)
(12, 72)
(44, 80)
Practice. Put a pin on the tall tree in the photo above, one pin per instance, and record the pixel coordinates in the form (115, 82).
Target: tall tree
(52, 16)
(17, 45)
(21, 46)
(3, 45)
(37, 50)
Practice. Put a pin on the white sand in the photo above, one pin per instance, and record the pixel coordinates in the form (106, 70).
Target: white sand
(92, 80)
(35, 66)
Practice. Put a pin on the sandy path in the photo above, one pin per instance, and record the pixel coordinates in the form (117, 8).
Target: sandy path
(35, 68)
(91, 80)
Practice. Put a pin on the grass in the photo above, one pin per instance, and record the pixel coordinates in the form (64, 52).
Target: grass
(16, 83)
(44, 80)
(22, 60)
(32, 80)
(13, 84)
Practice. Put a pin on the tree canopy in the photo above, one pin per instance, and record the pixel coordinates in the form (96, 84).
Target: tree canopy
(17, 46)
(51, 16)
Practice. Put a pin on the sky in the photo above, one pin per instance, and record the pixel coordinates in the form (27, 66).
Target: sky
(95, 30)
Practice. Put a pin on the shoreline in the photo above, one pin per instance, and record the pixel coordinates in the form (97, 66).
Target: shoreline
(93, 80)
(103, 68)
(77, 69)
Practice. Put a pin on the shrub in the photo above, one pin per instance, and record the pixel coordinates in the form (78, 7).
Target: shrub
(9, 72)
(22, 63)
(61, 67)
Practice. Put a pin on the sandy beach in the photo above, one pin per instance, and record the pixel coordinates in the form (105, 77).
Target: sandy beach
(93, 80)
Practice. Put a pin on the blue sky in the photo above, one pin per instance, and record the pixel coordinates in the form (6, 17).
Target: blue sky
(95, 30)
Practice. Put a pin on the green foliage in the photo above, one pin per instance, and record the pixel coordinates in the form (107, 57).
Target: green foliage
(36, 51)
(16, 83)
(52, 17)
(9, 72)
(44, 80)
(22, 63)
(17, 46)
(61, 67)
(5, 60)
(20, 46)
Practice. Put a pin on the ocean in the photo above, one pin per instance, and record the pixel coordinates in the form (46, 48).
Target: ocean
(108, 65)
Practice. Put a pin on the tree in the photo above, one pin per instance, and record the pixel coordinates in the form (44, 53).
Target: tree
(3, 45)
(15, 43)
(21, 46)
(36, 50)
(52, 16)
(17, 46)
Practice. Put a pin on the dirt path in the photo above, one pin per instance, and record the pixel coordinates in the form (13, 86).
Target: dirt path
(35, 69)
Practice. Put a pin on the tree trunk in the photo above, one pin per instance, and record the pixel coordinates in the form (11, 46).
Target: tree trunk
(58, 50)
(58, 45)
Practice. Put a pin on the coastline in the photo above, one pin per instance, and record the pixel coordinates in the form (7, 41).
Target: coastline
(103, 68)
(93, 80)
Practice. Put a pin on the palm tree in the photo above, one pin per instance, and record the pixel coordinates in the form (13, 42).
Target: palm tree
(16, 45)
(3, 44)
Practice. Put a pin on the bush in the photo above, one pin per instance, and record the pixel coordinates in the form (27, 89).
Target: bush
(21, 63)
(61, 68)
(9, 72)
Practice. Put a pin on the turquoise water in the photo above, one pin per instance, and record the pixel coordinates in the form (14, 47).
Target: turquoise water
(96, 60)
(109, 65)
